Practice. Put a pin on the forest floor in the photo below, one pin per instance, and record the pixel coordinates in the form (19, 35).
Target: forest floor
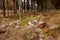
(15, 29)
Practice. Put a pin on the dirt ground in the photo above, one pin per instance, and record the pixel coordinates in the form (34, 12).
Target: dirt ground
(11, 29)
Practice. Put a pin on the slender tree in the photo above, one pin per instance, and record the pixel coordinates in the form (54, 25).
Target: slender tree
(24, 4)
(20, 8)
(27, 4)
(15, 10)
(7, 7)
(4, 8)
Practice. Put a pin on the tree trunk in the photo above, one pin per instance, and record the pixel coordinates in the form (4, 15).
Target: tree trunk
(4, 8)
(27, 4)
(49, 4)
(15, 7)
(20, 8)
(7, 8)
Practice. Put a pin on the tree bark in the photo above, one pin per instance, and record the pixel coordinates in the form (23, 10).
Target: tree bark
(4, 8)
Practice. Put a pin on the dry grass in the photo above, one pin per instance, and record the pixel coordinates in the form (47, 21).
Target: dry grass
(24, 33)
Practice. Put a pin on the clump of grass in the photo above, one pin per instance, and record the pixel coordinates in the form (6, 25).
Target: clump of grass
(58, 23)
(26, 20)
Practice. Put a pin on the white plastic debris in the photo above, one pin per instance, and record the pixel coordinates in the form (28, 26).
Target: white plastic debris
(41, 22)
(35, 21)
(32, 22)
